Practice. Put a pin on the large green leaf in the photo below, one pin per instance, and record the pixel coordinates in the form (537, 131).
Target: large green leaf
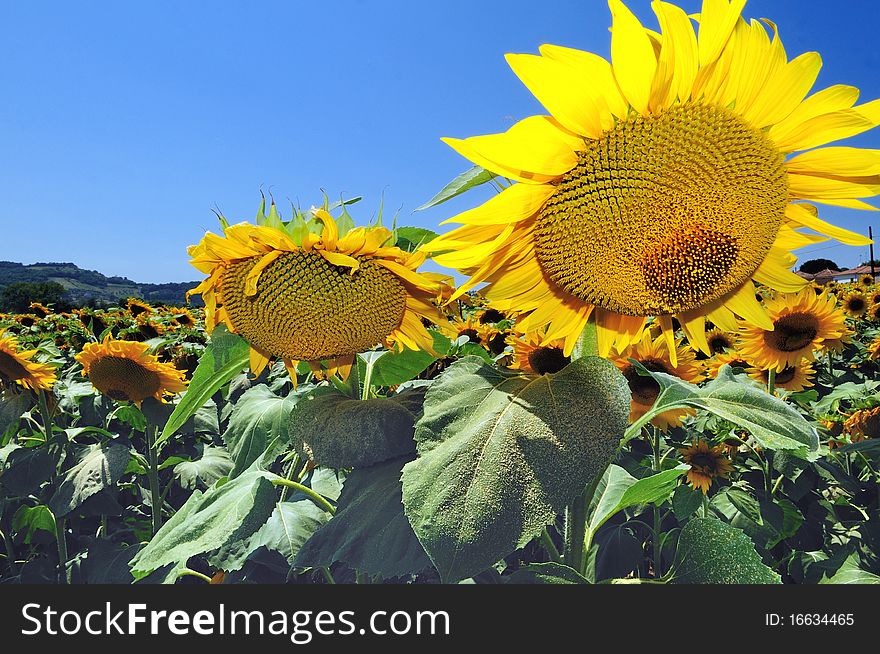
(289, 527)
(772, 422)
(501, 453)
(223, 518)
(369, 532)
(257, 426)
(712, 552)
(28, 520)
(215, 463)
(851, 573)
(12, 407)
(26, 470)
(224, 357)
(618, 490)
(464, 182)
(99, 467)
(337, 431)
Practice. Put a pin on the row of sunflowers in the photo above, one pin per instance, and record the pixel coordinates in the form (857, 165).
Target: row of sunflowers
(630, 384)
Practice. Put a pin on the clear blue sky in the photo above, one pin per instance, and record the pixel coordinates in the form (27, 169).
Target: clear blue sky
(123, 123)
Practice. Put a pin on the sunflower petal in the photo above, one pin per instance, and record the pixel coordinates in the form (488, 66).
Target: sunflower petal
(804, 214)
(513, 204)
(744, 303)
(717, 20)
(632, 56)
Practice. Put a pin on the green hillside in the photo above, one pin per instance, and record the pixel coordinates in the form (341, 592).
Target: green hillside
(84, 286)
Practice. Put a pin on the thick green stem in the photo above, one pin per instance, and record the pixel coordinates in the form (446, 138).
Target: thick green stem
(548, 544)
(46, 415)
(576, 512)
(771, 381)
(187, 572)
(292, 469)
(61, 538)
(656, 463)
(368, 378)
(10, 552)
(318, 499)
(354, 379)
(328, 575)
(153, 475)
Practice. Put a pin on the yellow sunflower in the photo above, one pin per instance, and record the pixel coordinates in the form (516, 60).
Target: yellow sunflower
(19, 366)
(866, 280)
(40, 309)
(792, 378)
(720, 341)
(732, 358)
(864, 423)
(184, 317)
(654, 355)
(533, 355)
(855, 304)
(707, 464)
(136, 307)
(874, 349)
(301, 291)
(800, 323)
(27, 319)
(126, 371)
(660, 183)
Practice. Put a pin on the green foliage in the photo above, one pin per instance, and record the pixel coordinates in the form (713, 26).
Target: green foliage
(500, 454)
(17, 297)
(469, 179)
(98, 467)
(257, 427)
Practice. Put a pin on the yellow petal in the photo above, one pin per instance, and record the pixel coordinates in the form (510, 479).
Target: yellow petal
(473, 255)
(597, 74)
(803, 214)
(837, 161)
(534, 149)
(632, 56)
(775, 273)
(830, 127)
(330, 233)
(339, 259)
(513, 204)
(694, 327)
(717, 20)
(679, 57)
(259, 361)
(826, 101)
(784, 90)
(569, 97)
(744, 303)
(813, 187)
(668, 335)
(250, 282)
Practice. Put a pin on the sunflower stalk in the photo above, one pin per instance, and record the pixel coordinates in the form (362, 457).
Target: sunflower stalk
(156, 498)
(576, 544)
(656, 466)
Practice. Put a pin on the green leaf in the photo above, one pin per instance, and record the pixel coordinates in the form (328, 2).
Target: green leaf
(224, 357)
(223, 518)
(30, 520)
(501, 453)
(26, 470)
(289, 527)
(336, 431)
(12, 407)
(851, 573)
(712, 552)
(545, 573)
(464, 182)
(772, 422)
(108, 562)
(411, 238)
(686, 501)
(618, 490)
(745, 504)
(99, 467)
(369, 532)
(394, 368)
(257, 426)
(215, 463)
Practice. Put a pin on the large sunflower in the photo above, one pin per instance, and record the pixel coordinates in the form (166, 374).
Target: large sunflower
(126, 371)
(301, 291)
(654, 354)
(660, 184)
(855, 304)
(19, 366)
(800, 324)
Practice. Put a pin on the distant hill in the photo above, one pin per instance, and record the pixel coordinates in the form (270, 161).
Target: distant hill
(89, 285)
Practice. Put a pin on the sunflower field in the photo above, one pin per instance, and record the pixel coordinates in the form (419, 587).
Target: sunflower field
(617, 379)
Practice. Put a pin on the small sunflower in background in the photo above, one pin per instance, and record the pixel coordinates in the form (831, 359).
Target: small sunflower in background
(535, 356)
(304, 290)
(720, 341)
(660, 183)
(149, 327)
(136, 307)
(20, 367)
(874, 349)
(855, 304)
(874, 296)
(126, 371)
(794, 378)
(654, 355)
(40, 309)
(873, 313)
(707, 464)
(864, 423)
(27, 319)
(490, 316)
(183, 317)
(866, 280)
(730, 358)
(801, 323)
